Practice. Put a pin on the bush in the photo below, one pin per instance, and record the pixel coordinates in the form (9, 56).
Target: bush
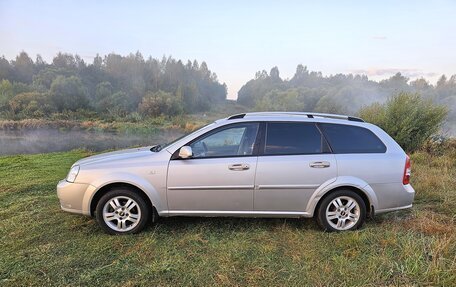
(32, 104)
(118, 104)
(408, 118)
(158, 103)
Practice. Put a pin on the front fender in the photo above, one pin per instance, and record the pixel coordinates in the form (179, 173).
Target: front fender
(341, 181)
(125, 177)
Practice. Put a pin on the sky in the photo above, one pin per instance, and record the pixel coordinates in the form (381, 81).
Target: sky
(238, 38)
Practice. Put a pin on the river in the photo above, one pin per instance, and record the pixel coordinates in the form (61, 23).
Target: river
(52, 140)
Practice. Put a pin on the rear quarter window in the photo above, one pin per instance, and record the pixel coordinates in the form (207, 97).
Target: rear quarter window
(352, 139)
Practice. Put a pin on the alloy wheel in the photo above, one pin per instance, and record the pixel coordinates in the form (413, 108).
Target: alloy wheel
(121, 213)
(343, 212)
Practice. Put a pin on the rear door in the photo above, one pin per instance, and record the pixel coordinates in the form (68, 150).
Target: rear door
(293, 162)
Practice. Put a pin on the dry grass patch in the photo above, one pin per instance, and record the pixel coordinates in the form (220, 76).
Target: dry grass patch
(430, 223)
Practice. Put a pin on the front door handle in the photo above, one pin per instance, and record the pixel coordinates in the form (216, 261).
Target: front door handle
(238, 166)
(319, 164)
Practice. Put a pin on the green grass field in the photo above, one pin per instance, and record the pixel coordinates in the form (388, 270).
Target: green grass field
(42, 245)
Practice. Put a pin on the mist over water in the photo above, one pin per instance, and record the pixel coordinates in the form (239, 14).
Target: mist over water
(51, 140)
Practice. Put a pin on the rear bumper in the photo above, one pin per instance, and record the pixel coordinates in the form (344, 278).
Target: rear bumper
(393, 209)
(402, 198)
(71, 197)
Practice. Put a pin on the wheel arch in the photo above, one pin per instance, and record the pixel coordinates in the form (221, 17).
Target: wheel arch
(361, 193)
(362, 188)
(110, 186)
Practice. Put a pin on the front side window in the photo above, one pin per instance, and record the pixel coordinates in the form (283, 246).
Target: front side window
(292, 138)
(352, 139)
(237, 140)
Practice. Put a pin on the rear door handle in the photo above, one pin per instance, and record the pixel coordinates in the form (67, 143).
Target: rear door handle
(238, 166)
(319, 164)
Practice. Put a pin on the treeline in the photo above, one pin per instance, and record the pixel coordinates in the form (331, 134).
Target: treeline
(112, 85)
(115, 86)
(341, 93)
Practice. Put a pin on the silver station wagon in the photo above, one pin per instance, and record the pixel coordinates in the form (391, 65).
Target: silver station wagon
(337, 169)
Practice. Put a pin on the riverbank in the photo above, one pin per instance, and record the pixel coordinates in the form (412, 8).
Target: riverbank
(141, 125)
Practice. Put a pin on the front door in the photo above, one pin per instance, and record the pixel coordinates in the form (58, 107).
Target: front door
(219, 177)
(293, 163)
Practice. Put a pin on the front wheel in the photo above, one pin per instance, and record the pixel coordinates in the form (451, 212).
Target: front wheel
(341, 210)
(122, 211)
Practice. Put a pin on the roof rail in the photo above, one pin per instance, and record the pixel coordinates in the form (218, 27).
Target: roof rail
(236, 116)
(307, 114)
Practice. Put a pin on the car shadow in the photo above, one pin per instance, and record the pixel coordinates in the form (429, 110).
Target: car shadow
(183, 224)
(173, 224)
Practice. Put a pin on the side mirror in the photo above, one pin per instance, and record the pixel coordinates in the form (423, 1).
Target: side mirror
(185, 152)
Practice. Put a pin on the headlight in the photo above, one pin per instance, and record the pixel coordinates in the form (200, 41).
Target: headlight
(71, 177)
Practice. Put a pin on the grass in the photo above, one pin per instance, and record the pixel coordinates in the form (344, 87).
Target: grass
(42, 245)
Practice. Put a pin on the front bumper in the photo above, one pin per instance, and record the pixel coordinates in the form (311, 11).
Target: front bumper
(71, 197)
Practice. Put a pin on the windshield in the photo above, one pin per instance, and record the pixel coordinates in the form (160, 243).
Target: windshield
(160, 147)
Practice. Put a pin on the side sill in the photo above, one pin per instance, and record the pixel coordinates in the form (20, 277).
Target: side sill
(216, 213)
(393, 209)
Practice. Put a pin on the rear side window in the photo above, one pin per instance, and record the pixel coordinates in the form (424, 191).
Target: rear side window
(352, 139)
(292, 138)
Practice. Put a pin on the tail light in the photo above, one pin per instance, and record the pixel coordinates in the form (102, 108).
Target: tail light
(407, 171)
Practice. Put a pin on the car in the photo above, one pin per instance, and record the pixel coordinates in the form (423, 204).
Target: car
(335, 168)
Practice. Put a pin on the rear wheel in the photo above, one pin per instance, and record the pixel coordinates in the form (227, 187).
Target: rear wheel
(122, 211)
(341, 210)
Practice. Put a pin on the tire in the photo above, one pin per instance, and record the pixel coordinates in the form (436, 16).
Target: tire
(341, 210)
(122, 211)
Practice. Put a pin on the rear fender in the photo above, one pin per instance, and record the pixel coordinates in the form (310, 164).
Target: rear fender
(341, 181)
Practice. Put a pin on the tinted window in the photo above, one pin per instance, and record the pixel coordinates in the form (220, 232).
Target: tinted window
(292, 138)
(352, 139)
(237, 140)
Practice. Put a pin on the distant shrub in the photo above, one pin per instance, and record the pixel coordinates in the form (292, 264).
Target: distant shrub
(116, 105)
(31, 104)
(408, 118)
(158, 103)
(329, 104)
(134, 117)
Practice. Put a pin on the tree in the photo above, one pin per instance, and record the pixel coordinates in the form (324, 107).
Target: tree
(103, 91)
(6, 93)
(275, 100)
(420, 84)
(68, 93)
(24, 68)
(274, 74)
(6, 70)
(65, 61)
(327, 104)
(441, 82)
(300, 76)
